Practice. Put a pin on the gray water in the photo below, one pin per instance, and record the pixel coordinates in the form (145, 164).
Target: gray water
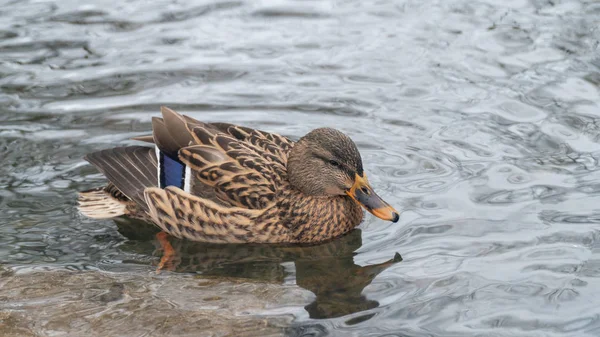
(480, 120)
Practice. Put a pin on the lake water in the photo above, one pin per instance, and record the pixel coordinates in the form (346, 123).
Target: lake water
(480, 120)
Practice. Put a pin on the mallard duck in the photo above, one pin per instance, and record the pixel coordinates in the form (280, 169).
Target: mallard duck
(223, 183)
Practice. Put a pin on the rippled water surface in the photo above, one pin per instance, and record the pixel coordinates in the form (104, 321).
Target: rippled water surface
(479, 119)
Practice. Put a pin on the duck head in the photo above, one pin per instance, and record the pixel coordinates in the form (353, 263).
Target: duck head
(326, 162)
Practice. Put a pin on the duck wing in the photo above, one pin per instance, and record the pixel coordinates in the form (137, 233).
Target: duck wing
(241, 173)
(129, 169)
(242, 167)
(274, 147)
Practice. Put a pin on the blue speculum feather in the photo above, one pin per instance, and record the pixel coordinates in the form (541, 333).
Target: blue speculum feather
(172, 172)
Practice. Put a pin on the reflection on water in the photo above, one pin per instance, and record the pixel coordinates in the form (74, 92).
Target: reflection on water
(480, 119)
(327, 270)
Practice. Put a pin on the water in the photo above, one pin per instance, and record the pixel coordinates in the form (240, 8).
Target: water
(479, 119)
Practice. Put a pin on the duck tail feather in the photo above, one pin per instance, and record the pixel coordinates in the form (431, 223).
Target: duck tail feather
(98, 203)
(130, 169)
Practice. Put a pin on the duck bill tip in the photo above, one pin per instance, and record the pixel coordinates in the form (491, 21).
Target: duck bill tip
(386, 213)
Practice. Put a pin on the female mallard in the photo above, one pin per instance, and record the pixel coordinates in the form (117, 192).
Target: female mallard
(222, 183)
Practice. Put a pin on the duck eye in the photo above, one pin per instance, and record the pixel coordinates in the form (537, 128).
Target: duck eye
(334, 163)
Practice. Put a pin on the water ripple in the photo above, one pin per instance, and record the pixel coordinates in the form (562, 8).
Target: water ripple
(479, 120)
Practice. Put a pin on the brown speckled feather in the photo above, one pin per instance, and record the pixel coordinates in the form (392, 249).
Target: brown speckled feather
(186, 216)
(310, 219)
(233, 183)
(241, 173)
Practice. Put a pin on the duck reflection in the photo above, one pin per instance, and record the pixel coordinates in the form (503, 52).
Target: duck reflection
(327, 270)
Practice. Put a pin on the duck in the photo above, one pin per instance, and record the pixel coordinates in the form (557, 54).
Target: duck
(226, 183)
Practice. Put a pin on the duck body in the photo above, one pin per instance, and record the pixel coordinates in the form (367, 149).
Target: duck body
(223, 183)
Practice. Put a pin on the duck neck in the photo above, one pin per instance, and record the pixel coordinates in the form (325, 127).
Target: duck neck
(316, 219)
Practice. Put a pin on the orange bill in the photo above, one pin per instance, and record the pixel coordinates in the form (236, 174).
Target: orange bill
(363, 193)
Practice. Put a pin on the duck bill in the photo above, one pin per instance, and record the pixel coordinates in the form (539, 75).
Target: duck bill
(363, 193)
